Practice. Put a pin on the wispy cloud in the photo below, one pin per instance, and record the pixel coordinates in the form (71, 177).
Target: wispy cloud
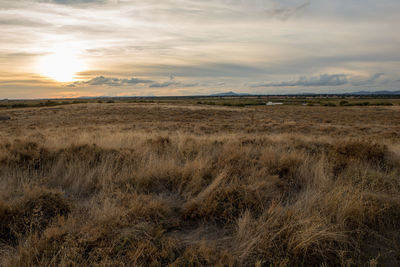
(101, 80)
(322, 80)
(114, 82)
(326, 80)
(286, 12)
(172, 83)
(369, 81)
(73, 2)
(22, 22)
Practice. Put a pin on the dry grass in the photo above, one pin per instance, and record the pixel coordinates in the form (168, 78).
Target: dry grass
(156, 185)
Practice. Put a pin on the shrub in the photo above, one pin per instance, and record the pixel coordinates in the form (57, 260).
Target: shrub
(343, 153)
(384, 104)
(31, 215)
(19, 105)
(329, 104)
(223, 205)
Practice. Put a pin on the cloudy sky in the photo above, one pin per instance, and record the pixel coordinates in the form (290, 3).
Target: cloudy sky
(69, 48)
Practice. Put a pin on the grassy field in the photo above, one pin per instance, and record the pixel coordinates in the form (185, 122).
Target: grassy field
(188, 183)
(233, 101)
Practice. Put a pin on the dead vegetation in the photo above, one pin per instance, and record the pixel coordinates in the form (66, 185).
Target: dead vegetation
(204, 187)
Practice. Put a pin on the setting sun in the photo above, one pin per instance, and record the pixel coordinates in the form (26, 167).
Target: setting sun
(62, 65)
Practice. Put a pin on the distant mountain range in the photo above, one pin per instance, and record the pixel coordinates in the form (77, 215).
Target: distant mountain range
(361, 93)
(230, 93)
(374, 93)
(233, 94)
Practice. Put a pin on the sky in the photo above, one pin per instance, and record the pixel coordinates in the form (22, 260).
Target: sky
(72, 48)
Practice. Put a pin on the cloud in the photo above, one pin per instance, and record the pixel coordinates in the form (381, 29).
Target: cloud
(162, 85)
(20, 55)
(171, 83)
(322, 80)
(285, 13)
(201, 70)
(112, 81)
(23, 22)
(73, 2)
(101, 80)
(326, 80)
(370, 81)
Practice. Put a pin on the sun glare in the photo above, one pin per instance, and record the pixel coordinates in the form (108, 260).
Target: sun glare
(62, 65)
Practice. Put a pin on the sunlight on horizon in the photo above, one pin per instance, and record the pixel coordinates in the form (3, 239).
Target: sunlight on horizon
(62, 65)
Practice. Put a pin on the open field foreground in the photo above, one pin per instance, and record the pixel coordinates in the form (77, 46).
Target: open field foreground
(128, 184)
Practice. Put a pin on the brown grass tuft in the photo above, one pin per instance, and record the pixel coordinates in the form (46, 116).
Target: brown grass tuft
(31, 215)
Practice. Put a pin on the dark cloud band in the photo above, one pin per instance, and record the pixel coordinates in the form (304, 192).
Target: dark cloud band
(323, 80)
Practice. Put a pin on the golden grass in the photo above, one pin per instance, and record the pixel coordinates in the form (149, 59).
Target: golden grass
(157, 185)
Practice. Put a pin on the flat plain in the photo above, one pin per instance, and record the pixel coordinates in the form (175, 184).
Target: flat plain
(194, 183)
